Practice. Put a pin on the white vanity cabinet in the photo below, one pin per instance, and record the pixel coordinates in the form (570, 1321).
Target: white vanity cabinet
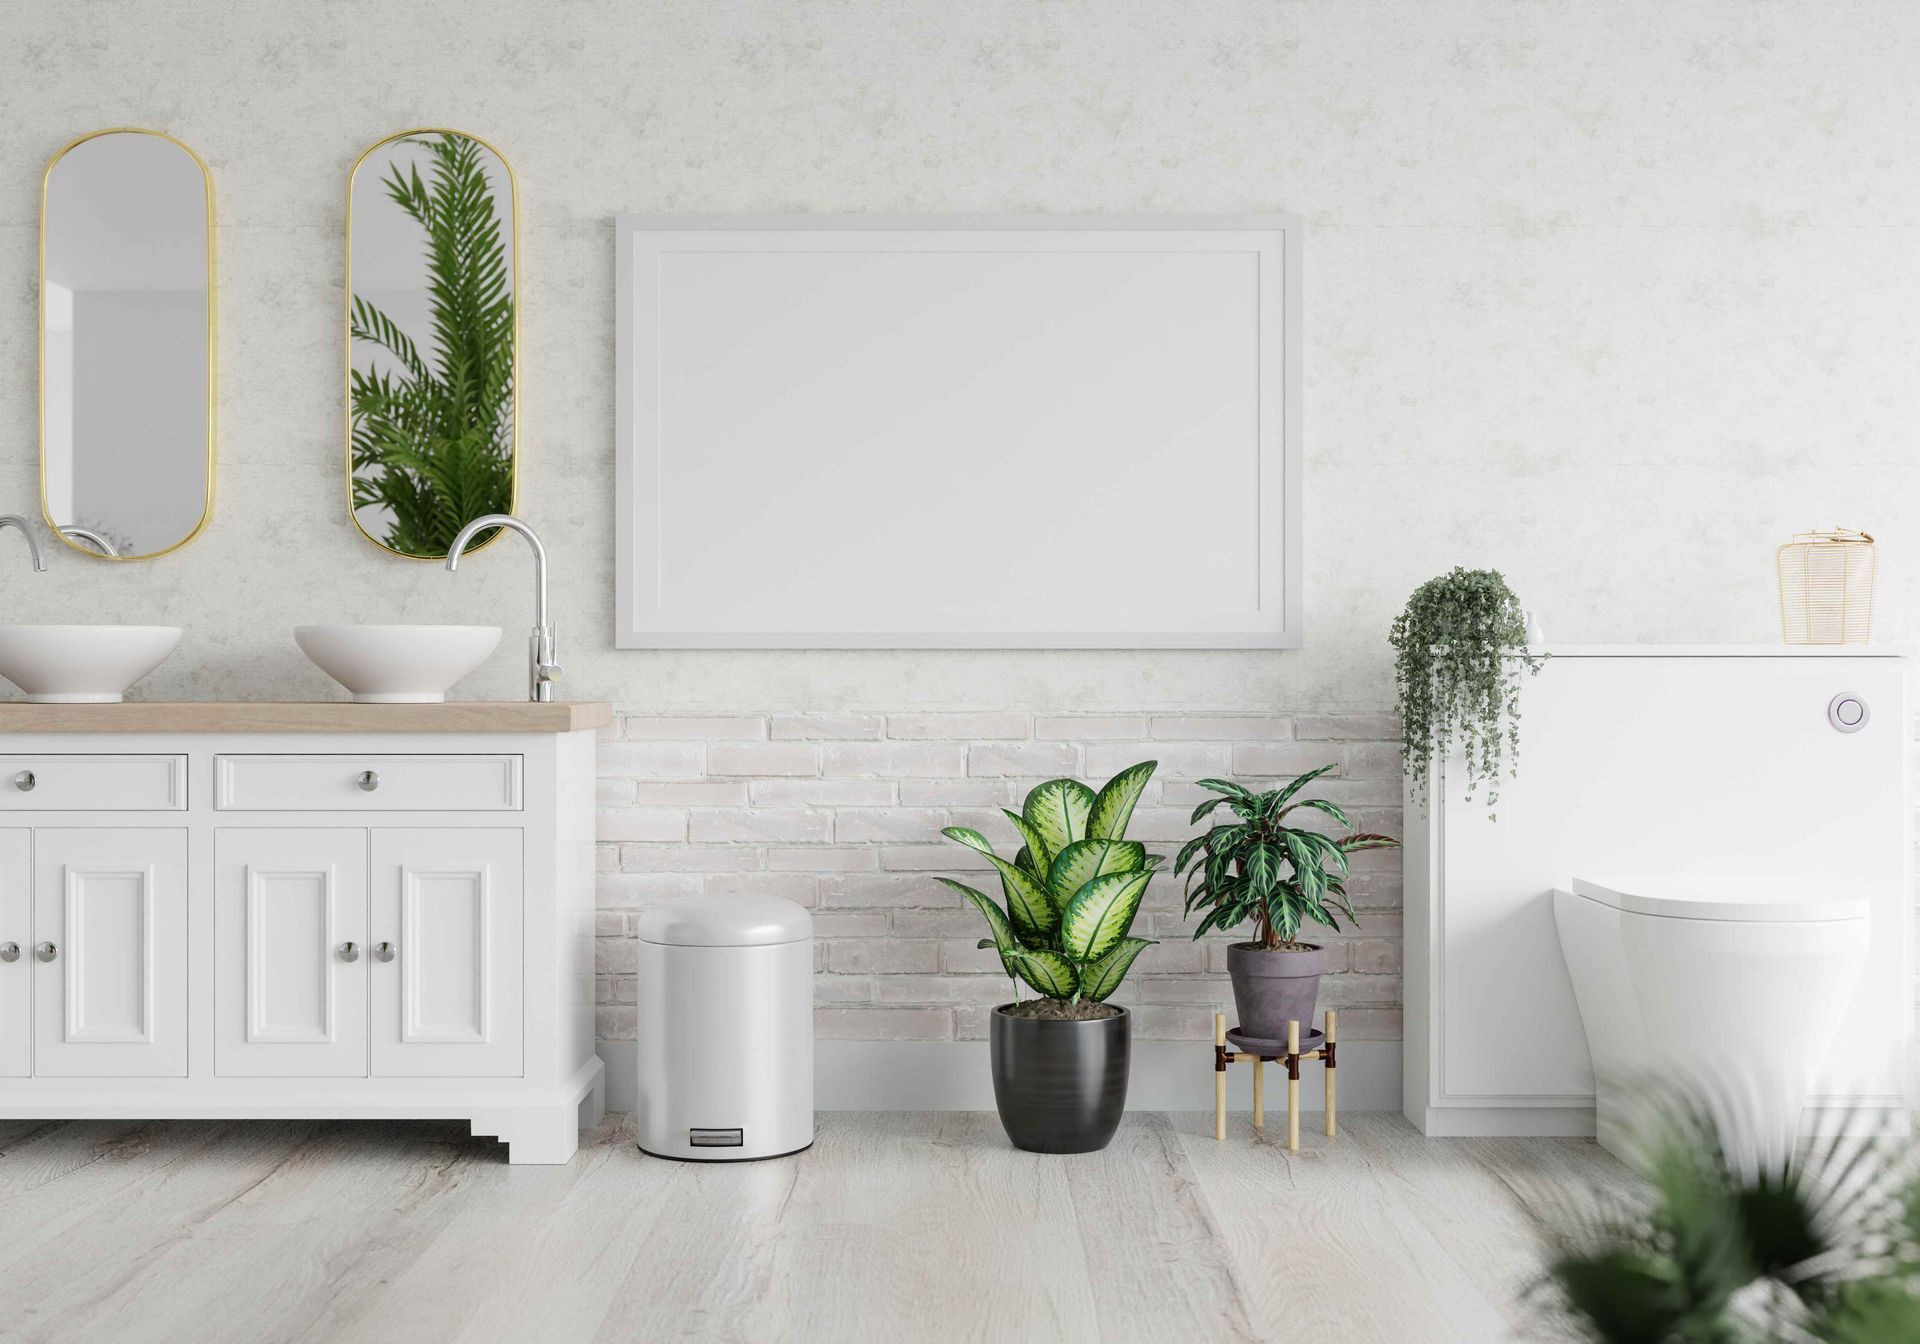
(301, 911)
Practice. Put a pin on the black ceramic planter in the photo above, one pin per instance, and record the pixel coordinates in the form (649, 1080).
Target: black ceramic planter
(1061, 1086)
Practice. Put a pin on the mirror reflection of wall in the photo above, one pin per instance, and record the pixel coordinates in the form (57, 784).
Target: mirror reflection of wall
(432, 339)
(126, 344)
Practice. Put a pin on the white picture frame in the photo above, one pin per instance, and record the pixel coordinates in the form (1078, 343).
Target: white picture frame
(957, 432)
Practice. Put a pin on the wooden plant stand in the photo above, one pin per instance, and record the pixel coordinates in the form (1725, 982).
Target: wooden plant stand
(1222, 1057)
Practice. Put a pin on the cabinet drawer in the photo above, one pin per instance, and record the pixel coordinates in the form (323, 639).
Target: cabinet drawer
(367, 783)
(93, 783)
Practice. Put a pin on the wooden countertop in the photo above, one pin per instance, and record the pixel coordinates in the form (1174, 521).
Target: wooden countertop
(324, 716)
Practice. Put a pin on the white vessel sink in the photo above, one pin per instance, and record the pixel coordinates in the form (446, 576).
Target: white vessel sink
(82, 664)
(397, 664)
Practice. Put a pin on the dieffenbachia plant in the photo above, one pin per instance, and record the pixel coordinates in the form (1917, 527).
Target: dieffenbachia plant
(1072, 890)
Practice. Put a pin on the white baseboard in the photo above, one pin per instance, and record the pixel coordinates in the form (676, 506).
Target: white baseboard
(954, 1076)
(1508, 1122)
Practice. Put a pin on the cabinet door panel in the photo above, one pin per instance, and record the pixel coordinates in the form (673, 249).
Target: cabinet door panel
(289, 1002)
(16, 977)
(448, 902)
(113, 1001)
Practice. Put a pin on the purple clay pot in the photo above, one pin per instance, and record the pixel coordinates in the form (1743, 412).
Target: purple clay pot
(1271, 989)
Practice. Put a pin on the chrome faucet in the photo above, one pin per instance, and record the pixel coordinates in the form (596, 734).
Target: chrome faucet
(542, 670)
(15, 520)
(91, 537)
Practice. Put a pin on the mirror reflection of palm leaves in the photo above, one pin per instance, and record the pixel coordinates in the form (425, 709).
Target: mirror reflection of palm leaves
(432, 439)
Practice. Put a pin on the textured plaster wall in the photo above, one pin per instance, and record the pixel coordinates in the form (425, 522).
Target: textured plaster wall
(1610, 296)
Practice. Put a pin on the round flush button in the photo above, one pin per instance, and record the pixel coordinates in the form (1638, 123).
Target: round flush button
(1847, 712)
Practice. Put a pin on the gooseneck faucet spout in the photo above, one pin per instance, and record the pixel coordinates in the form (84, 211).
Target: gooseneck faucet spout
(542, 668)
(15, 520)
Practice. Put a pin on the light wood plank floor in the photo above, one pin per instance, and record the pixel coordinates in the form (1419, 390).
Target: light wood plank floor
(894, 1227)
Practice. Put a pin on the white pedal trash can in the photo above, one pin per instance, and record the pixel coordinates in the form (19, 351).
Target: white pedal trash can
(726, 1028)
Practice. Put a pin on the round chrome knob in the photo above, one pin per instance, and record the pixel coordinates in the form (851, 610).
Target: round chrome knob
(383, 951)
(349, 951)
(9, 951)
(24, 781)
(46, 951)
(368, 781)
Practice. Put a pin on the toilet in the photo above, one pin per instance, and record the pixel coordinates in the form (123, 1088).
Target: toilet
(1730, 995)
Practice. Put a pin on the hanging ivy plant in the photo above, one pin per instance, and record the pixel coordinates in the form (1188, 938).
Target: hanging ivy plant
(1459, 648)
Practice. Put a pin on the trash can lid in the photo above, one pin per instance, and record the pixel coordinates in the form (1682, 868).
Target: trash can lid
(725, 921)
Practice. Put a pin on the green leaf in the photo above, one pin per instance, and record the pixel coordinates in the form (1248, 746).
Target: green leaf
(996, 921)
(1083, 860)
(1058, 811)
(1286, 794)
(969, 837)
(1353, 844)
(1263, 868)
(1100, 913)
(431, 422)
(1048, 972)
(1036, 845)
(1226, 786)
(1621, 1293)
(1322, 805)
(1203, 809)
(1100, 978)
(1113, 807)
(1028, 903)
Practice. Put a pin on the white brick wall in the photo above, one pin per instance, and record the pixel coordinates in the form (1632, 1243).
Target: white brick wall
(842, 813)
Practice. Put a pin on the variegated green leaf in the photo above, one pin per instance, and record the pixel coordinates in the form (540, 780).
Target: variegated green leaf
(1325, 846)
(1113, 806)
(1304, 856)
(1048, 972)
(1031, 907)
(1226, 786)
(1058, 811)
(1322, 805)
(1353, 844)
(996, 920)
(1036, 845)
(1028, 904)
(1083, 860)
(1100, 978)
(1204, 809)
(1285, 795)
(1263, 868)
(1338, 891)
(969, 837)
(1100, 913)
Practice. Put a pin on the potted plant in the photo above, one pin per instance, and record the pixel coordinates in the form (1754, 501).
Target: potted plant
(1711, 1247)
(1458, 650)
(1257, 867)
(1060, 1061)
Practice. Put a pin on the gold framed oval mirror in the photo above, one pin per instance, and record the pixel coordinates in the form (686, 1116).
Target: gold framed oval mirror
(433, 339)
(127, 297)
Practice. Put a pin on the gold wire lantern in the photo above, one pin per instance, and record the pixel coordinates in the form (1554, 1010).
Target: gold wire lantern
(1826, 587)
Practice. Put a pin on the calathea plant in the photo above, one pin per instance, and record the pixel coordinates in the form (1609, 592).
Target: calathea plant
(432, 439)
(1257, 867)
(1459, 648)
(1071, 890)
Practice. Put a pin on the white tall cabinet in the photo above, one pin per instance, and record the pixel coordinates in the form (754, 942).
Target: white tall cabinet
(314, 911)
(1715, 766)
